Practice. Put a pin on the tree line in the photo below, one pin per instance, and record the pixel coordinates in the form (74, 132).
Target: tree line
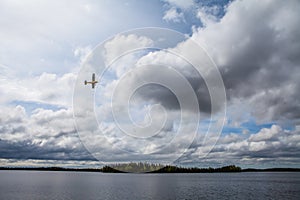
(158, 168)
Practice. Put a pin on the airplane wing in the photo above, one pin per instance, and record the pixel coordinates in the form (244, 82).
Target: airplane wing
(93, 77)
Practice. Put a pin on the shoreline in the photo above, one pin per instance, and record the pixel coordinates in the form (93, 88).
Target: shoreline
(180, 170)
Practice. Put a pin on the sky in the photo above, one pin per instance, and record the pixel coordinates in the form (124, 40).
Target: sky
(187, 82)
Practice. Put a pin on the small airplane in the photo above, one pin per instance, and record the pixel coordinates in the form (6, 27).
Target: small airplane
(93, 82)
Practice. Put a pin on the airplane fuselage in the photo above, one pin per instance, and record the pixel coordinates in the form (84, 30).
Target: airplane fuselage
(91, 82)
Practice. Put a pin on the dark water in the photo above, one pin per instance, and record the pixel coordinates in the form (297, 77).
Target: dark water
(77, 185)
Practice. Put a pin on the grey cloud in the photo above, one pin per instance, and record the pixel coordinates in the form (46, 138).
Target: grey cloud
(165, 97)
(52, 137)
(27, 150)
(255, 48)
(257, 55)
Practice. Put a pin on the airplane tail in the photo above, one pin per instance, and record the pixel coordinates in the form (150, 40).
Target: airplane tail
(85, 82)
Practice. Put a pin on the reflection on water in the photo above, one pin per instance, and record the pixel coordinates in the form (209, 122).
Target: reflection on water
(88, 185)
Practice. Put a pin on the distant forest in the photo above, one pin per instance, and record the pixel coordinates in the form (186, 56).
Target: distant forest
(158, 168)
(153, 168)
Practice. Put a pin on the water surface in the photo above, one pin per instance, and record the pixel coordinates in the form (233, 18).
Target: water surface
(90, 185)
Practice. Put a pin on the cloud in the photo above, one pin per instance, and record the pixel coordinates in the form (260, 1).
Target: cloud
(44, 134)
(197, 81)
(121, 43)
(82, 52)
(172, 15)
(45, 88)
(109, 131)
(272, 146)
(255, 46)
(265, 134)
(208, 15)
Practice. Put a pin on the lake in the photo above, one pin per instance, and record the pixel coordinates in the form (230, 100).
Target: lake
(90, 185)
